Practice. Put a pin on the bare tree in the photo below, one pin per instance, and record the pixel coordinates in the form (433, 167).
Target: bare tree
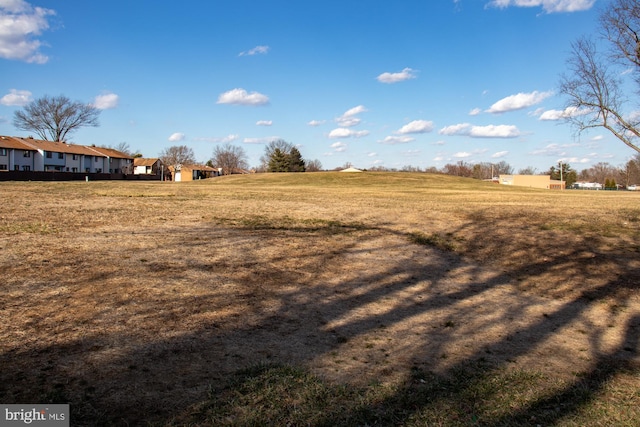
(629, 173)
(54, 118)
(177, 155)
(458, 169)
(124, 147)
(230, 158)
(529, 170)
(314, 165)
(599, 172)
(270, 149)
(593, 85)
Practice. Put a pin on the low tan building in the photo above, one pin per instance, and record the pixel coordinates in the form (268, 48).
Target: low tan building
(533, 181)
(186, 172)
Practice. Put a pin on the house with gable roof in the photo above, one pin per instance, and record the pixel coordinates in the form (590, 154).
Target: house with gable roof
(142, 166)
(29, 154)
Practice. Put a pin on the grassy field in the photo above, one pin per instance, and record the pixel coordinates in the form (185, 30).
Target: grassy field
(321, 299)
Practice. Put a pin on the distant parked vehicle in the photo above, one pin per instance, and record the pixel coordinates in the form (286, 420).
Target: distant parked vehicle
(633, 187)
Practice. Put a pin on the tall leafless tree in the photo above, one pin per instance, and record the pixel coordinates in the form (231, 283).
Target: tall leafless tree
(593, 85)
(55, 118)
(270, 149)
(231, 158)
(177, 155)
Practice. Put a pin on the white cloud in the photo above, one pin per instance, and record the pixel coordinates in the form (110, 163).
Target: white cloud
(405, 74)
(349, 119)
(347, 122)
(554, 149)
(519, 101)
(459, 129)
(176, 137)
(217, 139)
(347, 133)
(552, 115)
(16, 97)
(106, 101)
(240, 96)
(489, 131)
(256, 50)
(462, 155)
(372, 154)
(316, 122)
(19, 24)
(264, 140)
(355, 110)
(411, 153)
(493, 131)
(264, 122)
(397, 140)
(475, 112)
(574, 160)
(416, 126)
(339, 147)
(499, 154)
(549, 6)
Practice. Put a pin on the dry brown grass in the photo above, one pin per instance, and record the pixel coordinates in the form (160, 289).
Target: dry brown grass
(132, 300)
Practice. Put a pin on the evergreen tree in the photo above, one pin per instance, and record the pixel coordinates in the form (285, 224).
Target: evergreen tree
(282, 156)
(296, 162)
(569, 176)
(279, 161)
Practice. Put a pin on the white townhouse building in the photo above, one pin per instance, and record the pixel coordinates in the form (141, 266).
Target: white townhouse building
(28, 154)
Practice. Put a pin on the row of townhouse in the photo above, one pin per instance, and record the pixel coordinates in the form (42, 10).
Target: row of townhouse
(29, 154)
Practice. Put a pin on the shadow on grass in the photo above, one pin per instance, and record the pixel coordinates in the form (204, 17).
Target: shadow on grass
(171, 359)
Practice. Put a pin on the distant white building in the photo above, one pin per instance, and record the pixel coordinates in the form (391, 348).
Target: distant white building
(583, 185)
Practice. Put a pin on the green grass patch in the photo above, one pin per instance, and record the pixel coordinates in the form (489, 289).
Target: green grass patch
(287, 223)
(37, 227)
(443, 242)
(474, 394)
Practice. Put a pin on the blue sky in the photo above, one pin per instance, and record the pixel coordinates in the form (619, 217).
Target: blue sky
(387, 83)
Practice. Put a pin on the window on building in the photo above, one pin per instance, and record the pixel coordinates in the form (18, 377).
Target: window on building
(27, 154)
(87, 170)
(3, 151)
(67, 170)
(61, 155)
(26, 168)
(74, 169)
(49, 154)
(97, 158)
(16, 167)
(75, 157)
(4, 168)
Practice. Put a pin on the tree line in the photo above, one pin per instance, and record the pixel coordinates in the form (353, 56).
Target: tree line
(594, 87)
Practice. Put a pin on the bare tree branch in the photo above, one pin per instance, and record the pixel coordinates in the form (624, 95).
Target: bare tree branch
(55, 118)
(593, 85)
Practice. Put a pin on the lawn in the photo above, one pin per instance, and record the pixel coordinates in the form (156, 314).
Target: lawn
(321, 299)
